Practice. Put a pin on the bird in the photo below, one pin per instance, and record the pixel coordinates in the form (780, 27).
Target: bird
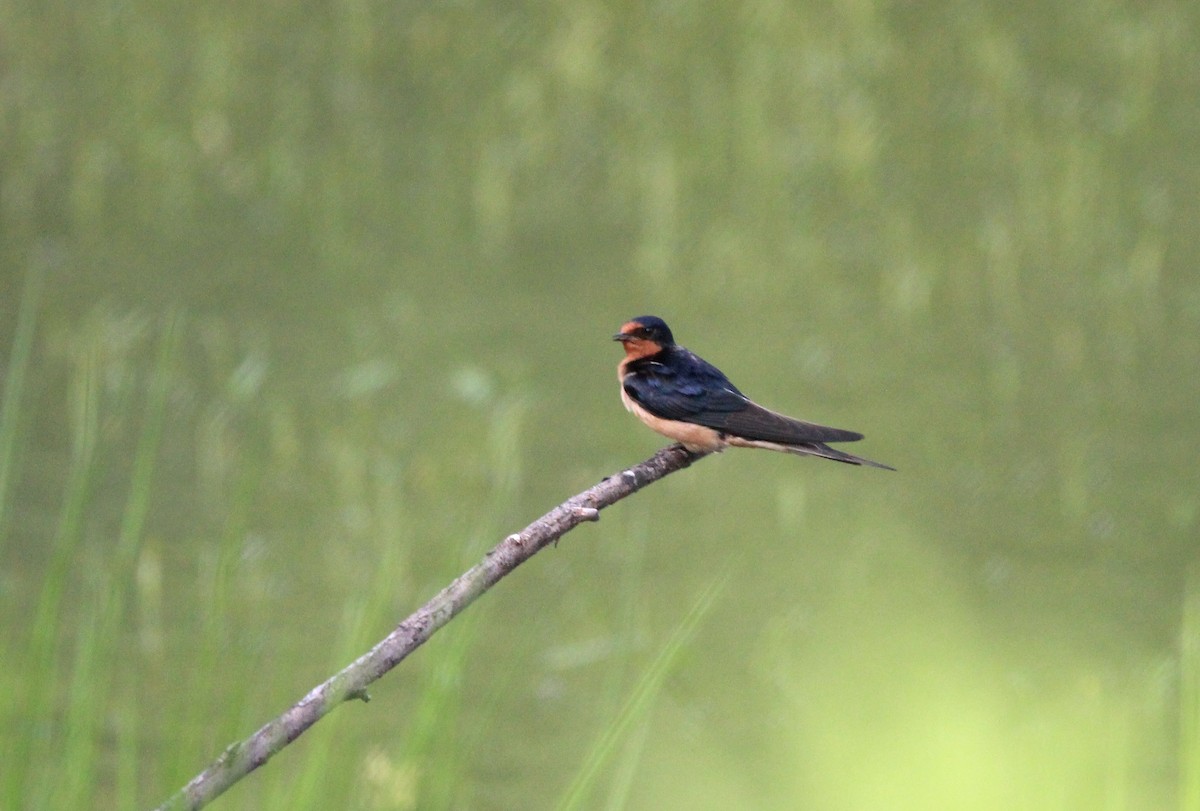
(685, 398)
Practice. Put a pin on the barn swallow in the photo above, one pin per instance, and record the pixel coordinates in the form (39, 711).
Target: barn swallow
(684, 397)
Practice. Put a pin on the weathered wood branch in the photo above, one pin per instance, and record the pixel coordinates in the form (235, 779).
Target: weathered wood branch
(243, 757)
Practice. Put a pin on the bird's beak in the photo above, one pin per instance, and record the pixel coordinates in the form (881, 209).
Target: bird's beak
(622, 337)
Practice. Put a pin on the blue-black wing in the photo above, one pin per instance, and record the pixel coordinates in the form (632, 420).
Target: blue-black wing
(685, 387)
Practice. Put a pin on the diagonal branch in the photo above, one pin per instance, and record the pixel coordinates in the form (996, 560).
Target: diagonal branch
(243, 757)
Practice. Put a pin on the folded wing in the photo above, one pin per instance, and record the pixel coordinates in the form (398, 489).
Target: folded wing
(704, 396)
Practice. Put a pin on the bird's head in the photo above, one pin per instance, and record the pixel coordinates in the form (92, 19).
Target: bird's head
(644, 336)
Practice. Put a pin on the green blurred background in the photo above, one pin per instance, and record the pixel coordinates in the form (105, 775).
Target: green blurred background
(304, 306)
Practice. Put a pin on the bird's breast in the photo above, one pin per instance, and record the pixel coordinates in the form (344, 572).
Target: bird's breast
(694, 437)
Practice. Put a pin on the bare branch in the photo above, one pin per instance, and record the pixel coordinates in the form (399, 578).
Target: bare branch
(243, 757)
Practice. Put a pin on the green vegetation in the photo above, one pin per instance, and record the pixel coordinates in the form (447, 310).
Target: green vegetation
(301, 308)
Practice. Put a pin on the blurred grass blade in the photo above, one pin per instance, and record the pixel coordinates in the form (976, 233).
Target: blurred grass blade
(1189, 695)
(149, 440)
(641, 701)
(35, 761)
(121, 575)
(14, 383)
